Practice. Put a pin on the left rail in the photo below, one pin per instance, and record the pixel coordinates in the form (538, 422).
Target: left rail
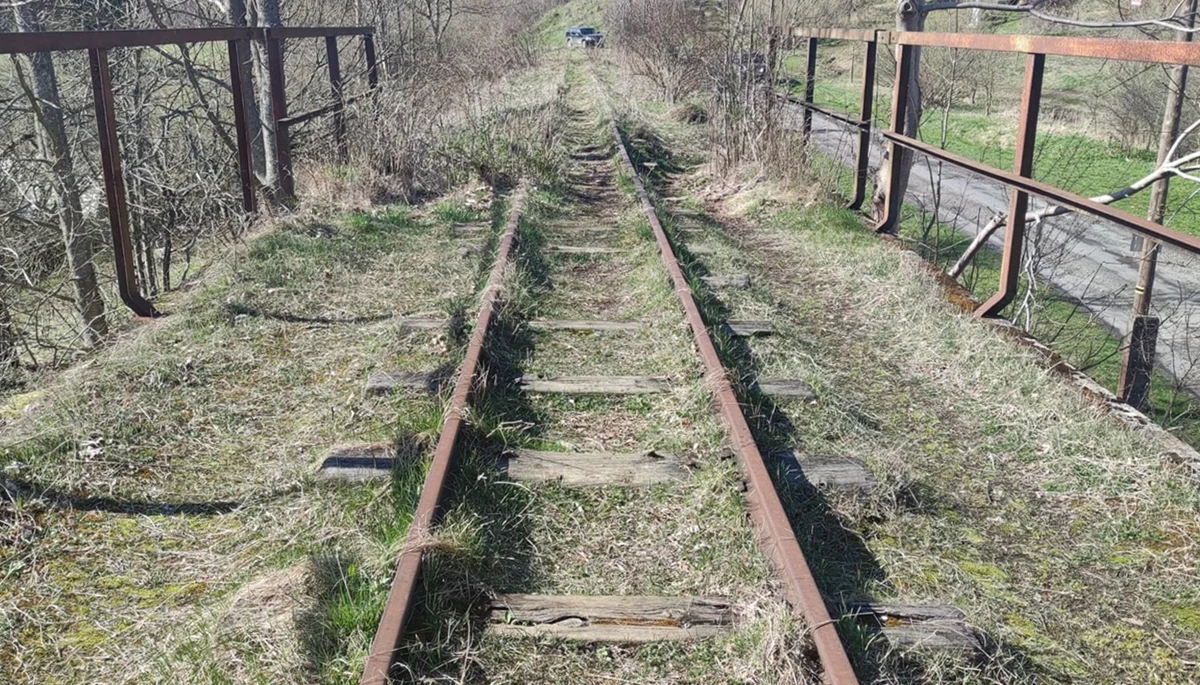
(398, 608)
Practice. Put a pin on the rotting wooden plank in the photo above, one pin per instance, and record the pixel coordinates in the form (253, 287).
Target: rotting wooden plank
(584, 250)
(584, 325)
(825, 471)
(584, 230)
(617, 619)
(727, 281)
(918, 626)
(593, 469)
(702, 250)
(425, 323)
(358, 462)
(749, 328)
(786, 387)
(595, 385)
(386, 382)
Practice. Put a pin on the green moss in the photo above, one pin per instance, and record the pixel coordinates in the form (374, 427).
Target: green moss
(18, 403)
(988, 574)
(1185, 616)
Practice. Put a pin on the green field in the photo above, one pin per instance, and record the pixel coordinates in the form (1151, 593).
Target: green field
(1079, 159)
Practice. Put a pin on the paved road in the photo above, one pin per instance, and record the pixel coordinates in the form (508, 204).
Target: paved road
(1086, 259)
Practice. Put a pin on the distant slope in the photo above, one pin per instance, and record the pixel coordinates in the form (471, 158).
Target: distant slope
(553, 26)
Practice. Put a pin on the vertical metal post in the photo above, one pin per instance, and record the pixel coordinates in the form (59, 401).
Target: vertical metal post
(773, 51)
(865, 112)
(372, 65)
(810, 76)
(893, 198)
(1137, 361)
(1014, 232)
(283, 138)
(245, 164)
(114, 185)
(339, 104)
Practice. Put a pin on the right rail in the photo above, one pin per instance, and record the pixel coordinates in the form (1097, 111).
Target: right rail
(766, 510)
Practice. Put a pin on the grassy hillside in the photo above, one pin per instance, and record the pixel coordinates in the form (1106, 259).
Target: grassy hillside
(553, 26)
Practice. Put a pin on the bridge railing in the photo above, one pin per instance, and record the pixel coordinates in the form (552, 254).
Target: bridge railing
(98, 43)
(1137, 360)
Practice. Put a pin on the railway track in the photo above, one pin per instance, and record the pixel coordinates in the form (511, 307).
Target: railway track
(593, 243)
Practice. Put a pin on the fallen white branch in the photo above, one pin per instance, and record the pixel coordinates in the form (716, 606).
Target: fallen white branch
(1181, 168)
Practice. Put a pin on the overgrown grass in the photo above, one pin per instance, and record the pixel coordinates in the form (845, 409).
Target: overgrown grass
(1002, 491)
(1069, 328)
(164, 497)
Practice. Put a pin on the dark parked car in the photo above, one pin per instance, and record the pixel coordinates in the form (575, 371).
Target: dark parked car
(584, 37)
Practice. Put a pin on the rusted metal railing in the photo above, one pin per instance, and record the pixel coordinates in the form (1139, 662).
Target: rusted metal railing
(98, 43)
(1136, 364)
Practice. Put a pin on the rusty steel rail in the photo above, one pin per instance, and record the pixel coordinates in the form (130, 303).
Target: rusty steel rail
(766, 510)
(98, 43)
(404, 582)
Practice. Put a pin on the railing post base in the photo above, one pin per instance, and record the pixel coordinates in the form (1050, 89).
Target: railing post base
(1137, 362)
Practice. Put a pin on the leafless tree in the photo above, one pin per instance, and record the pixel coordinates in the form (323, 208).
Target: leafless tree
(665, 41)
(40, 86)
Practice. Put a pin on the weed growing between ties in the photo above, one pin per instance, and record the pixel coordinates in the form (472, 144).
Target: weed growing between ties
(1000, 490)
(677, 539)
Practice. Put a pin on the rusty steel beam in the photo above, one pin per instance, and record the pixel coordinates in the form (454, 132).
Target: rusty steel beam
(1151, 51)
(55, 41)
(776, 536)
(114, 185)
(282, 32)
(866, 108)
(893, 198)
(1014, 233)
(810, 78)
(400, 598)
(372, 65)
(245, 160)
(861, 35)
(1133, 222)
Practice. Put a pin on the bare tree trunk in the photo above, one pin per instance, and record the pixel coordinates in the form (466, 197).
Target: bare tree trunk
(236, 15)
(9, 359)
(1158, 193)
(54, 147)
(166, 261)
(910, 16)
(267, 12)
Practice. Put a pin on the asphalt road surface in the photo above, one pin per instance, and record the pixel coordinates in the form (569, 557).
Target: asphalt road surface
(1086, 259)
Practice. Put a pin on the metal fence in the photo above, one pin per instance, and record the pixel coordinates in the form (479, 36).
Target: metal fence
(98, 43)
(1138, 355)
